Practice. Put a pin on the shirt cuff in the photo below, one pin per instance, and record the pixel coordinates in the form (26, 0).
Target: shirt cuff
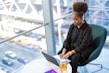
(77, 49)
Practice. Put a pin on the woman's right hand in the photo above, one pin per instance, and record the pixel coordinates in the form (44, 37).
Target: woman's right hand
(63, 53)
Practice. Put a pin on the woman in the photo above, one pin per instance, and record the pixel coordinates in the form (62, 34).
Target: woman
(79, 43)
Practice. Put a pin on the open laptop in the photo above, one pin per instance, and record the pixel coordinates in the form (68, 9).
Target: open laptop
(55, 60)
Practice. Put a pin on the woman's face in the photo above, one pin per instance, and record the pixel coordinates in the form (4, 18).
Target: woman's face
(77, 20)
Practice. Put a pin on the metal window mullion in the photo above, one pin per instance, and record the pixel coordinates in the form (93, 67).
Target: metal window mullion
(49, 29)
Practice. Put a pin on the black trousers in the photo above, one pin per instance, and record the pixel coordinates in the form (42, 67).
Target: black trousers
(75, 61)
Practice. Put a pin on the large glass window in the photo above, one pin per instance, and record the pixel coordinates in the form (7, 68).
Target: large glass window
(20, 16)
(98, 13)
(62, 10)
(16, 18)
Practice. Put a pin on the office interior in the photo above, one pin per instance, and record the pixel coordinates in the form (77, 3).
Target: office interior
(30, 26)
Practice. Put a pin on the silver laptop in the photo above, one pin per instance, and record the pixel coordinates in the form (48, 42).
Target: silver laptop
(53, 60)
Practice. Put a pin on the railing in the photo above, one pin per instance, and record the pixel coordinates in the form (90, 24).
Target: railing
(59, 29)
(23, 33)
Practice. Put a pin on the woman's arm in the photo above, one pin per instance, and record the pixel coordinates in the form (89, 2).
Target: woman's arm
(68, 54)
(67, 42)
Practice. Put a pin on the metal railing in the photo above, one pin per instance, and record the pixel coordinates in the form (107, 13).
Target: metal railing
(36, 28)
(23, 33)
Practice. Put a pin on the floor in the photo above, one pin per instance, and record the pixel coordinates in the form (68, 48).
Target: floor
(102, 59)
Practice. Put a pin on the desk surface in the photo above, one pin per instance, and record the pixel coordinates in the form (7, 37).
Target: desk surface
(41, 66)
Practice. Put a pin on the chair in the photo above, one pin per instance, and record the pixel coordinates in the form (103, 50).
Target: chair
(99, 34)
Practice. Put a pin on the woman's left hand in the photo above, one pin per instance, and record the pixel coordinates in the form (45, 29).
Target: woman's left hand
(68, 54)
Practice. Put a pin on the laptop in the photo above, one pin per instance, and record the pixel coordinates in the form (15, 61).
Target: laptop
(55, 60)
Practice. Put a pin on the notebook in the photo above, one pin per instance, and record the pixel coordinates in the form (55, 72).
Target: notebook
(55, 60)
(50, 71)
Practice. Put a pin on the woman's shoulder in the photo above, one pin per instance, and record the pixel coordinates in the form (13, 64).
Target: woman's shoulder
(71, 26)
(87, 24)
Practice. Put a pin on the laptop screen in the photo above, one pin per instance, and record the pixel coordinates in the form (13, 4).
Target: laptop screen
(51, 59)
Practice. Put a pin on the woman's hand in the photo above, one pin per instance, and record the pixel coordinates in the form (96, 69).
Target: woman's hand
(63, 53)
(68, 54)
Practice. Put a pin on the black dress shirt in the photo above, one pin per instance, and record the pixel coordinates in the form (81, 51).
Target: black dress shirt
(79, 39)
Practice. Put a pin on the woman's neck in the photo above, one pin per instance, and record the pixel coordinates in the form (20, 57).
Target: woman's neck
(82, 22)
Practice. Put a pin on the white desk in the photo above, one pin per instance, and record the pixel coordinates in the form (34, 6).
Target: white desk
(41, 66)
(2, 71)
